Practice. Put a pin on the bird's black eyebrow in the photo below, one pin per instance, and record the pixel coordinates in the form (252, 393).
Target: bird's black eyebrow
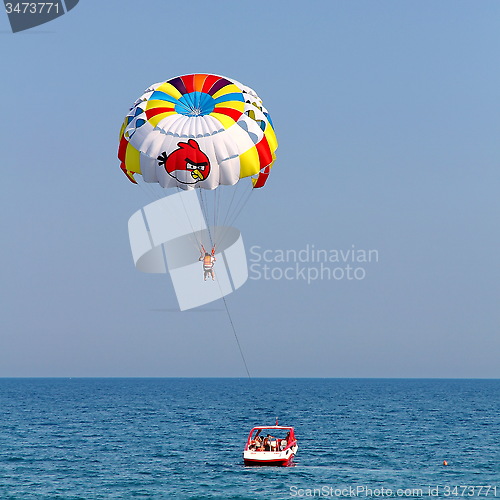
(202, 164)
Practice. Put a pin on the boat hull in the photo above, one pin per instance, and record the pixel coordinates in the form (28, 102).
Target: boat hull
(270, 458)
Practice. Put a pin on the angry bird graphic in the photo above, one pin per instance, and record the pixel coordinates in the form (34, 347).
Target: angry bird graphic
(188, 164)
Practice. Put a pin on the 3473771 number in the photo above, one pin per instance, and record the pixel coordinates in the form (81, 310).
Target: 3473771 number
(32, 8)
(469, 491)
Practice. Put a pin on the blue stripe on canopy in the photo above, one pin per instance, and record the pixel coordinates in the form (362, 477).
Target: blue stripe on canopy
(161, 96)
(235, 96)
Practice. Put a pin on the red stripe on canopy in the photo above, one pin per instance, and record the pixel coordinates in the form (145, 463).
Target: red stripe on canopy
(122, 149)
(232, 113)
(262, 178)
(157, 111)
(209, 83)
(265, 155)
(188, 83)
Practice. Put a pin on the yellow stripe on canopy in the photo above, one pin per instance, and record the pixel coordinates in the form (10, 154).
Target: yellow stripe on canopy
(249, 163)
(226, 121)
(271, 138)
(132, 159)
(157, 103)
(154, 120)
(170, 90)
(124, 126)
(237, 105)
(228, 89)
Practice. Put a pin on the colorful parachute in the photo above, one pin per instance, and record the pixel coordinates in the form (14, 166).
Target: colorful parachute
(198, 131)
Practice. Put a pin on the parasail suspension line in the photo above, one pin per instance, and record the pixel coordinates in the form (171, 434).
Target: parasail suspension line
(236, 337)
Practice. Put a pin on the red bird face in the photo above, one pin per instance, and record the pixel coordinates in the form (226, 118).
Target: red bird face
(188, 164)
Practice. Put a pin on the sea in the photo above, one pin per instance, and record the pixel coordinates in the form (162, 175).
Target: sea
(168, 438)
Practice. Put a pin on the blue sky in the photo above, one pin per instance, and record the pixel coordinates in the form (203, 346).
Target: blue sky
(387, 115)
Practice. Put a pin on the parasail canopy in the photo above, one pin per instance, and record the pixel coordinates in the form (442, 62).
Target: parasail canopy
(198, 131)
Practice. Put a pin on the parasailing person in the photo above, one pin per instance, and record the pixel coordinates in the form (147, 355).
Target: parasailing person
(208, 263)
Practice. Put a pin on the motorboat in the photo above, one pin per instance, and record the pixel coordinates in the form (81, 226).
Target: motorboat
(270, 445)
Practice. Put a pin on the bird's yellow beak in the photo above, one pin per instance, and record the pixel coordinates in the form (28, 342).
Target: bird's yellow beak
(196, 174)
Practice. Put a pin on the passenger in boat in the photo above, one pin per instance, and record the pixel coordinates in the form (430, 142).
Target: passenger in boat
(267, 442)
(261, 444)
(284, 442)
(255, 444)
(258, 444)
